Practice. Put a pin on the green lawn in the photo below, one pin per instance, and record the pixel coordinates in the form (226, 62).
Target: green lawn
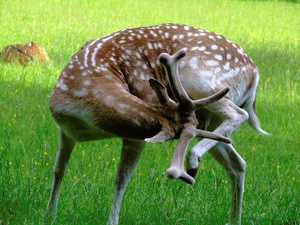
(269, 32)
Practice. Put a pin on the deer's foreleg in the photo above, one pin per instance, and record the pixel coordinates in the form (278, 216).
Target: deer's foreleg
(131, 153)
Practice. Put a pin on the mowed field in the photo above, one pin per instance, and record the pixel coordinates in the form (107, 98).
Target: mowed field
(268, 31)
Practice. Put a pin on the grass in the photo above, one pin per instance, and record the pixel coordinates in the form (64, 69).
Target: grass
(269, 32)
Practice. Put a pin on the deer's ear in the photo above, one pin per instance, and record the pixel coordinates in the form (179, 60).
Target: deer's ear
(161, 137)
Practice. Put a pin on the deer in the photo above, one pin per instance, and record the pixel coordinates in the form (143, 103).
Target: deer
(154, 84)
(23, 54)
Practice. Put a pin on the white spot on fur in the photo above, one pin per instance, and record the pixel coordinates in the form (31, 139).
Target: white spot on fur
(153, 65)
(87, 83)
(227, 66)
(61, 84)
(217, 70)
(129, 52)
(108, 100)
(143, 76)
(214, 47)
(230, 74)
(153, 33)
(138, 55)
(139, 86)
(194, 62)
(218, 57)
(196, 48)
(141, 113)
(212, 63)
(99, 45)
(240, 51)
(80, 93)
(112, 59)
(109, 37)
(108, 76)
(136, 122)
(86, 57)
(131, 38)
(122, 108)
(202, 48)
(228, 56)
(138, 63)
(151, 97)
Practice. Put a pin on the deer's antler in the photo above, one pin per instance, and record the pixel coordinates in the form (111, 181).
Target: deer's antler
(187, 108)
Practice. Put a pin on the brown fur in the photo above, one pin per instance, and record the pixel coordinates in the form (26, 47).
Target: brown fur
(24, 53)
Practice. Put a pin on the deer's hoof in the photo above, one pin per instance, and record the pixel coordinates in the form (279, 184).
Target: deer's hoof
(192, 172)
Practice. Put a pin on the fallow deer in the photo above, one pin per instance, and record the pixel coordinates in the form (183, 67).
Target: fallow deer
(24, 53)
(119, 86)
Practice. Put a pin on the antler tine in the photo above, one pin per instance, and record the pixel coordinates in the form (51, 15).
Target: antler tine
(160, 91)
(200, 103)
(170, 64)
(176, 169)
(213, 136)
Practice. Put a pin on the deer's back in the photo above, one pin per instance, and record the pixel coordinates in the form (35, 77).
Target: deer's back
(127, 59)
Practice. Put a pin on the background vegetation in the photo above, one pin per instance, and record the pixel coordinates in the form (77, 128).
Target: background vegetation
(269, 32)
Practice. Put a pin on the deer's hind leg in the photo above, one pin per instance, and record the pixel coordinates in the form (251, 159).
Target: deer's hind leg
(66, 146)
(231, 117)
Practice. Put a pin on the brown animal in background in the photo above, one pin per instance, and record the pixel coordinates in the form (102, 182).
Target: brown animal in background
(24, 53)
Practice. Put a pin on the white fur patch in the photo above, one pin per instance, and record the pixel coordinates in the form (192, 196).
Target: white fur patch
(218, 57)
(80, 93)
(194, 62)
(212, 63)
(61, 84)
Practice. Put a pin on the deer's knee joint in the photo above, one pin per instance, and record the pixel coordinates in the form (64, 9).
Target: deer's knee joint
(237, 168)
